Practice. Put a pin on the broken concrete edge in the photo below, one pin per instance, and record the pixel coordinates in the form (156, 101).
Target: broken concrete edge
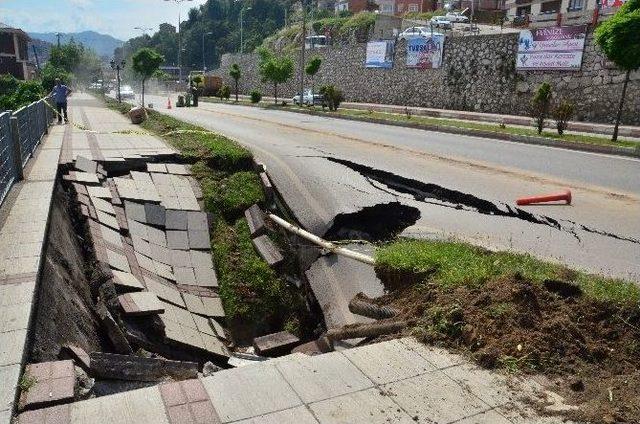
(275, 344)
(135, 368)
(524, 139)
(268, 250)
(256, 220)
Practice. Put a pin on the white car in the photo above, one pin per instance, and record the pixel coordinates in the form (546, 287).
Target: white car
(415, 32)
(457, 17)
(441, 22)
(126, 92)
(308, 99)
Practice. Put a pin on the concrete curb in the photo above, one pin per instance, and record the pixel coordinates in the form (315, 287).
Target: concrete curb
(539, 141)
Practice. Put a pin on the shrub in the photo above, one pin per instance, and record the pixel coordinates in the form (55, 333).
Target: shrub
(256, 96)
(225, 92)
(332, 97)
(540, 105)
(562, 114)
(15, 93)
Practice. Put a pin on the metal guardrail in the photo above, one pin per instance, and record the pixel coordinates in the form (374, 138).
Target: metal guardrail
(20, 134)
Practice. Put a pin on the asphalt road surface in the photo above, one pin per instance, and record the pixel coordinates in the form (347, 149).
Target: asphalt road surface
(463, 187)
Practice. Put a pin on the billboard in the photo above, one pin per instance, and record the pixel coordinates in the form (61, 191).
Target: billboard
(553, 48)
(379, 54)
(425, 53)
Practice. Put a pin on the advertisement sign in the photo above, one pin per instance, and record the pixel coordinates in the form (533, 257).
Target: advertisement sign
(553, 48)
(612, 3)
(379, 54)
(425, 53)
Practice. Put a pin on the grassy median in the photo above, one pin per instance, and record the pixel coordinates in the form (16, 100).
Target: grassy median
(254, 296)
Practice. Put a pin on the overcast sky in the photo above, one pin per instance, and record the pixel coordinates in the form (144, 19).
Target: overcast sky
(113, 17)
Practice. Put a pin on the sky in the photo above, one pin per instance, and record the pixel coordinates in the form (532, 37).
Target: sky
(114, 17)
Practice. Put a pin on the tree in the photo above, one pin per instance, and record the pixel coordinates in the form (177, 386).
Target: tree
(619, 39)
(275, 69)
(312, 69)
(540, 104)
(146, 62)
(235, 73)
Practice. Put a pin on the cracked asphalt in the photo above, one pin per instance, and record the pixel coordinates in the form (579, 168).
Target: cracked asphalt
(599, 232)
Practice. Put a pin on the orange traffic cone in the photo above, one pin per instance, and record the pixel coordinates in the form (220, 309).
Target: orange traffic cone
(565, 195)
(168, 102)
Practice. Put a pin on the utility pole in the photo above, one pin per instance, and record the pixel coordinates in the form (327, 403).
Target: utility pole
(204, 67)
(179, 41)
(58, 35)
(118, 67)
(304, 32)
(241, 29)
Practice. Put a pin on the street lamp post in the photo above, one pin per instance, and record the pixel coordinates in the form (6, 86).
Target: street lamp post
(179, 42)
(204, 67)
(241, 29)
(118, 67)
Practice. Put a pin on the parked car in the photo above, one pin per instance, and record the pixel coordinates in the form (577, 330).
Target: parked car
(441, 22)
(308, 99)
(315, 41)
(126, 92)
(414, 32)
(457, 17)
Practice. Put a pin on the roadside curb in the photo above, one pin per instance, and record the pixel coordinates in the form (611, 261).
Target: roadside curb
(539, 141)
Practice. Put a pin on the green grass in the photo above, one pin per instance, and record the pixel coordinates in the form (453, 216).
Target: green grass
(454, 263)
(570, 138)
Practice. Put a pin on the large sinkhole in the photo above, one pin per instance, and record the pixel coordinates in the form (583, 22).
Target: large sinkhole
(373, 223)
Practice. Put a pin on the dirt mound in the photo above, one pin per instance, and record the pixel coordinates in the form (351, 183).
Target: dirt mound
(589, 349)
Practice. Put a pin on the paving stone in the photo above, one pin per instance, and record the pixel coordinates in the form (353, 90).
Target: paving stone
(86, 165)
(117, 261)
(83, 177)
(108, 220)
(141, 176)
(204, 325)
(388, 361)
(323, 376)
(180, 258)
(54, 383)
(206, 277)
(439, 358)
(9, 376)
(184, 276)
(275, 344)
(187, 402)
(214, 345)
(164, 291)
(14, 317)
(156, 214)
(140, 303)
(137, 368)
(103, 205)
(141, 246)
(60, 414)
(157, 167)
(145, 262)
(256, 220)
(127, 280)
(135, 211)
(100, 192)
(178, 169)
(132, 407)
(194, 303)
(157, 236)
(77, 354)
(267, 250)
(176, 220)
(298, 415)
(197, 221)
(201, 259)
(164, 270)
(110, 236)
(160, 254)
(218, 328)
(364, 407)
(138, 229)
(177, 240)
(491, 387)
(199, 239)
(425, 395)
(249, 392)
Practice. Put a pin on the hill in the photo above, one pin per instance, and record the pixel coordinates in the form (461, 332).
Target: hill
(102, 44)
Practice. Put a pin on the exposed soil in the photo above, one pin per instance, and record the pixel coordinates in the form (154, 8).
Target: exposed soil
(588, 349)
(64, 312)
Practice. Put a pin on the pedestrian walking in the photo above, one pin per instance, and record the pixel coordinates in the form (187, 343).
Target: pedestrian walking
(60, 93)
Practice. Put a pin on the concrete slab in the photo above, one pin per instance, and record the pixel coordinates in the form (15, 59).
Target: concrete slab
(275, 344)
(201, 259)
(12, 346)
(369, 406)
(197, 221)
(117, 261)
(156, 214)
(135, 211)
(299, 415)
(132, 407)
(425, 397)
(489, 417)
(9, 376)
(126, 280)
(103, 205)
(157, 236)
(179, 258)
(388, 361)
(157, 167)
(256, 220)
(206, 277)
(177, 240)
(111, 236)
(268, 250)
(140, 303)
(491, 387)
(438, 357)
(164, 291)
(176, 220)
(199, 239)
(100, 192)
(249, 392)
(184, 276)
(14, 317)
(324, 376)
(86, 165)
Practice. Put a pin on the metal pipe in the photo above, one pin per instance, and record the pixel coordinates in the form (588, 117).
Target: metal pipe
(321, 242)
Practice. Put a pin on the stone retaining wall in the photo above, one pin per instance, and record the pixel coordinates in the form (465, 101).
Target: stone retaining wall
(478, 74)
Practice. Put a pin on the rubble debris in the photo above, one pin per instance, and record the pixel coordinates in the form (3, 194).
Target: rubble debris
(267, 250)
(255, 219)
(365, 330)
(314, 347)
(136, 368)
(275, 344)
(47, 384)
(209, 368)
(84, 384)
(361, 305)
(115, 334)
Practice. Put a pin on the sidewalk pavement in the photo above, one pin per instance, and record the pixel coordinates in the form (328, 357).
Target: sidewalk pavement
(575, 127)
(398, 381)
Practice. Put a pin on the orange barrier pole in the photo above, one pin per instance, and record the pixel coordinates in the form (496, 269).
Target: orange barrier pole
(565, 195)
